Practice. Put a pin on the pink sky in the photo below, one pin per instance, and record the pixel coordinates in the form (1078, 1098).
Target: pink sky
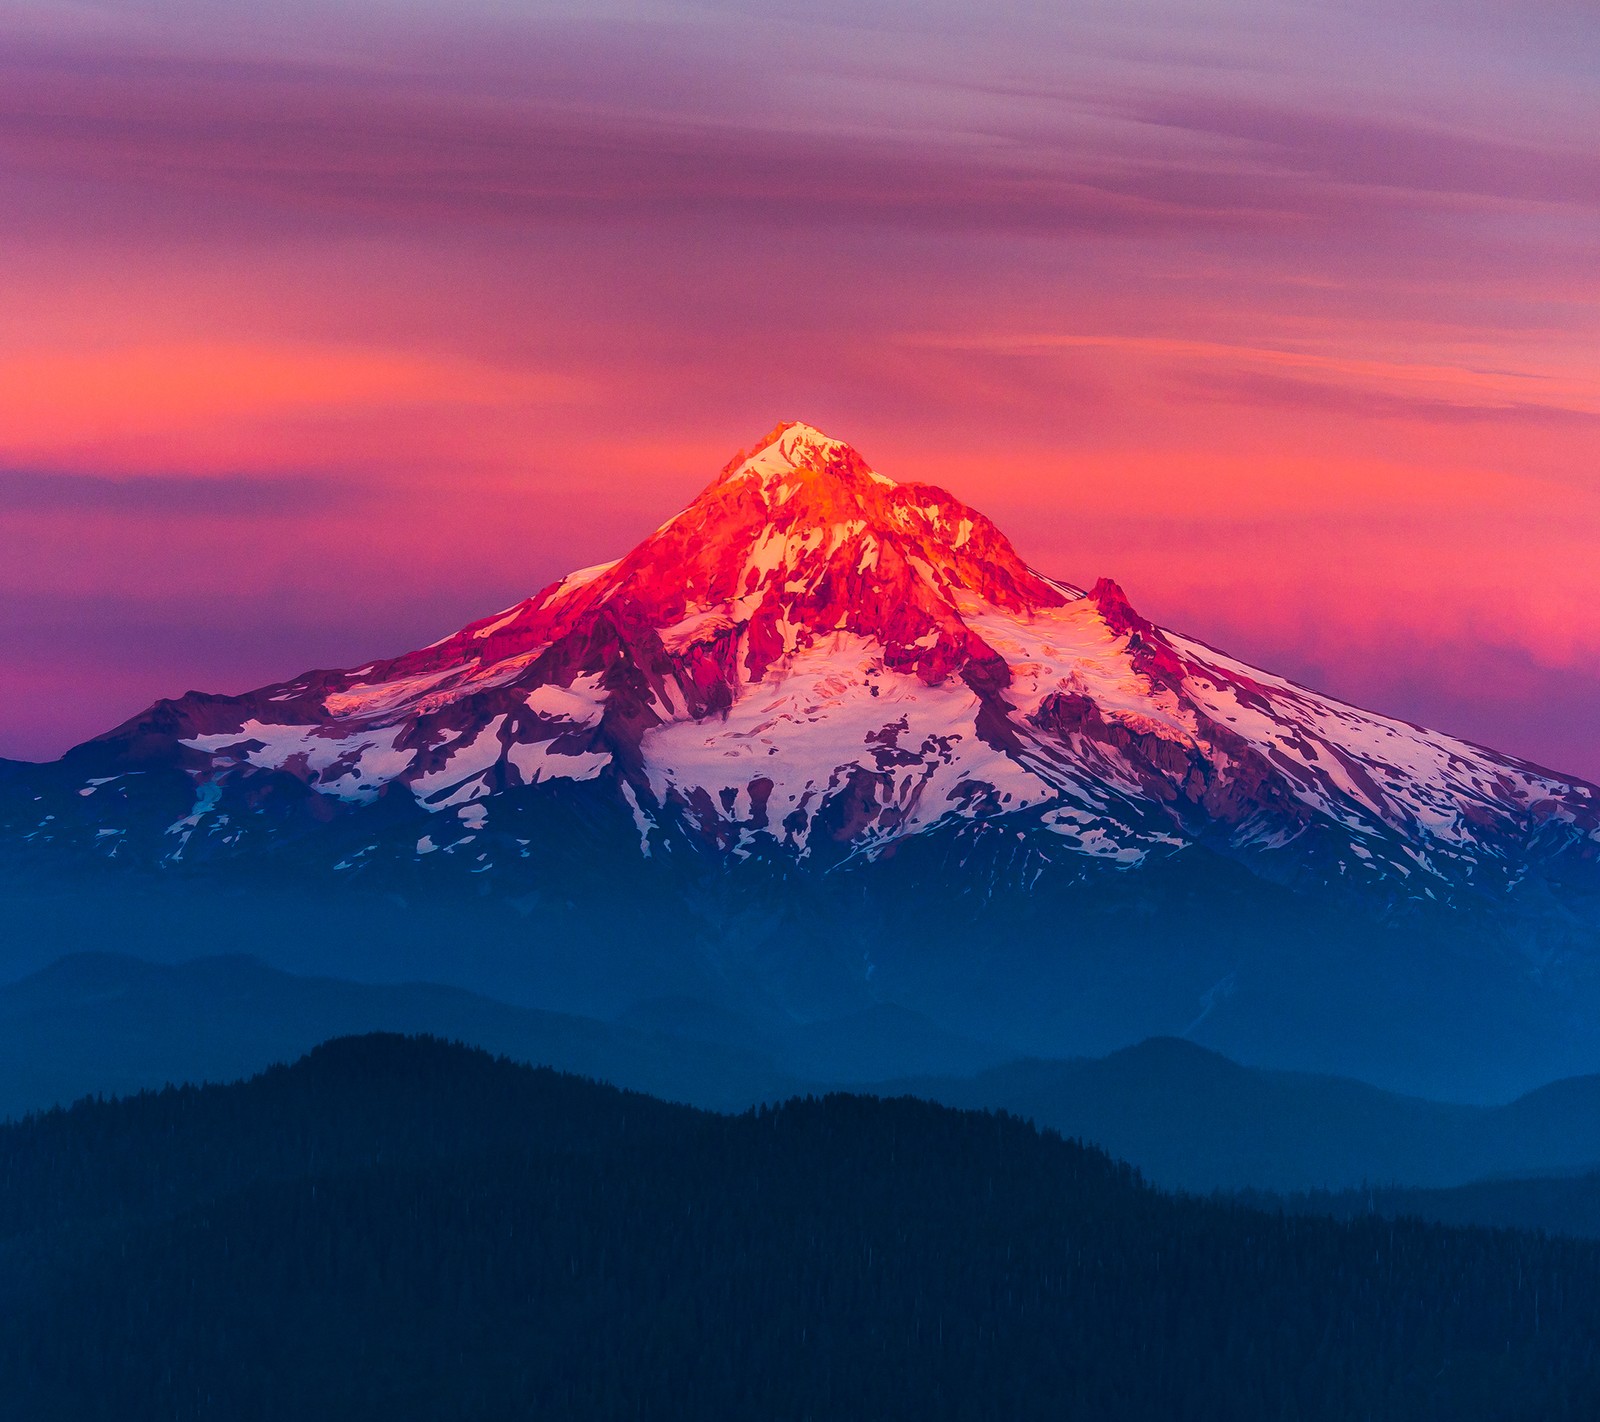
(329, 327)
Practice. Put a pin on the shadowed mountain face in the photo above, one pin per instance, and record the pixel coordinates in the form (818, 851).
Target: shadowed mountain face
(1186, 1117)
(823, 742)
(403, 1230)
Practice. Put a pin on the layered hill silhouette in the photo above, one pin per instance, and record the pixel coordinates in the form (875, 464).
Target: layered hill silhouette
(1186, 1117)
(399, 1229)
(1192, 1119)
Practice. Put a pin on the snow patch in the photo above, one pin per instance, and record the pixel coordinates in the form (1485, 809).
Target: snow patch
(538, 760)
(331, 759)
(582, 703)
(471, 758)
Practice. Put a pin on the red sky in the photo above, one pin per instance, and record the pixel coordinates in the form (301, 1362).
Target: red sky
(325, 328)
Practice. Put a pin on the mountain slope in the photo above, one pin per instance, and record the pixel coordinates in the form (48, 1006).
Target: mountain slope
(400, 1229)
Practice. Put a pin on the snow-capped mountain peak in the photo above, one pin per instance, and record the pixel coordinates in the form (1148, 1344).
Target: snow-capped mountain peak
(795, 449)
(817, 662)
(798, 540)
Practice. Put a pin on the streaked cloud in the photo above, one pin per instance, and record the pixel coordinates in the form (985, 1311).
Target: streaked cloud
(174, 496)
(53, 398)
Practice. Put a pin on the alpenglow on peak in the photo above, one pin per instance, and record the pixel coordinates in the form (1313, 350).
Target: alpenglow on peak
(795, 447)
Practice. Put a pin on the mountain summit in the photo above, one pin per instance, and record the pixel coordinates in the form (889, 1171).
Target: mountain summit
(797, 540)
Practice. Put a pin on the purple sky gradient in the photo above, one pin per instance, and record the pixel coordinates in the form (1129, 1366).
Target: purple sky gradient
(329, 327)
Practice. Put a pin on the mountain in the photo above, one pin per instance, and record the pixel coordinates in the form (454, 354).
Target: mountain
(111, 1023)
(1193, 1120)
(107, 1023)
(814, 661)
(826, 741)
(400, 1229)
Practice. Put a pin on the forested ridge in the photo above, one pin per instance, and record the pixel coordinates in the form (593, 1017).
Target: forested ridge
(1555, 1204)
(398, 1228)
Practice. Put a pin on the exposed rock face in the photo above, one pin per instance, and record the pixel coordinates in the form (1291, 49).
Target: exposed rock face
(813, 664)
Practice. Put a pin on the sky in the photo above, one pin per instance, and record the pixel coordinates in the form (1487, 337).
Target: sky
(326, 328)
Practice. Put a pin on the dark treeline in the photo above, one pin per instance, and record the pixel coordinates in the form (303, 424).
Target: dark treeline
(399, 1229)
(1556, 1204)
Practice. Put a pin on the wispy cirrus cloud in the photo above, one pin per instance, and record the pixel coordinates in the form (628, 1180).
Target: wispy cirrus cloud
(170, 496)
(579, 122)
(348, 144)
(1256, 388)
(1367, 386)
(1367, 152)
(56, 399)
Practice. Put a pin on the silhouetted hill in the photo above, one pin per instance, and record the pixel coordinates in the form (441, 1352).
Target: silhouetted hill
(1192, 1119)
(107, 1023)
(1187, 1117)
(402, 1229)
